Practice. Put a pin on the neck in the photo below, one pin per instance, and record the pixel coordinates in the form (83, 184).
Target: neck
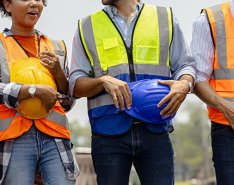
(126, 8)
(16, 30)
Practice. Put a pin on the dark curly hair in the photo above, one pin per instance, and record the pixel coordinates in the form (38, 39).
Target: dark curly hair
(5, 13)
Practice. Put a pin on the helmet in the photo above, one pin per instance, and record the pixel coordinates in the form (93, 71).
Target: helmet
(30, 71)
(146, 94)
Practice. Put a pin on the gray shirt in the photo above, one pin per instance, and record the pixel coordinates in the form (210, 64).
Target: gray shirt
(181, 61)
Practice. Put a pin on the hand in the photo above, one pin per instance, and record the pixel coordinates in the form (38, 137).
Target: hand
(51, 62)
(119, 91)
(228, 111)
(175, 97)
(66, 102)
(47, 95)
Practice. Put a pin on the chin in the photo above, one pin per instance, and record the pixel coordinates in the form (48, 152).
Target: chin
(108, 2)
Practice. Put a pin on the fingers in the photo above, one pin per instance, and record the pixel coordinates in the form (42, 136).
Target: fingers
(46, 62)
(166, 82)
(165, 99)
(48, 59)
(127, 96)
(49, 104)
(119, 91)
(121, 95)
(171, 108)
(174, 100)
(47, 53)
(47, 95)
(232, 126)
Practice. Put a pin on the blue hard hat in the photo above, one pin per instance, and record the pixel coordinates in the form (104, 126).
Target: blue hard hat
(146, 94)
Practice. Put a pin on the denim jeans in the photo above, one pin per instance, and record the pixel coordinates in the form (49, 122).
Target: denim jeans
(151, 154)
(31, 150)
(223, 153)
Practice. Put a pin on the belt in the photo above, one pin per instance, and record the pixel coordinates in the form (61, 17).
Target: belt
(137, 121)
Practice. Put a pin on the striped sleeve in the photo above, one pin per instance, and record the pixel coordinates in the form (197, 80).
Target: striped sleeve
(202, 48)
(9, 93)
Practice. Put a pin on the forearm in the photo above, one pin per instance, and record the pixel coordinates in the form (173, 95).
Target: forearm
(24, 94)
(87, 87)
(61, 83)
(204, 91)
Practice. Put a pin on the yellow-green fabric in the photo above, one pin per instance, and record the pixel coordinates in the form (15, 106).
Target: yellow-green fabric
(109, 44)
(146, 47)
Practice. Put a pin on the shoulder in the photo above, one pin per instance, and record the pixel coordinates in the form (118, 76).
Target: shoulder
(201, 20)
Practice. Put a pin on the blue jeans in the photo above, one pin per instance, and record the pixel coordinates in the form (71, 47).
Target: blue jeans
(31, 150)
(151, 154)
(223, 153)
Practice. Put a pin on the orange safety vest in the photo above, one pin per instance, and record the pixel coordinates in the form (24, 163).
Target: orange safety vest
(12, 124)
(222, 25)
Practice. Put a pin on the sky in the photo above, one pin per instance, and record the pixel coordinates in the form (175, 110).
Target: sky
(59, 21)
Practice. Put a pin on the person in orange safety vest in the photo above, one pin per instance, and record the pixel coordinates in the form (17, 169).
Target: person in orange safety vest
(213, 47)
(34, 131)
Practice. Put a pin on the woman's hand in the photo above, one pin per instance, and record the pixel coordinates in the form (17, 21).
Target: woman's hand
(47, 95)
(51, 62)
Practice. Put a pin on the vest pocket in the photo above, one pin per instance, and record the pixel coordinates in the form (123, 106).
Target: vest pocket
(109, 53)
(147, 55)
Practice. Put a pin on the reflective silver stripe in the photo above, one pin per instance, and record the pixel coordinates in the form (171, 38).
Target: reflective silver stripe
(53, 116)
(100, 101)
(140, 69)
(229, 99)
(119, 69)
(5, 73)
(221, 45)
(90, 43)
(5, 123)
(60, 52)
(58, 118)
(163, 34)
(152, 70)
(58, 49)
(7, 33)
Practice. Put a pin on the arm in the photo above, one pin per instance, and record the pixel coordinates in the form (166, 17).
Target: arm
(51, 62)
(84, 84)
(12, 93)
(204, 91)
(60, 72)
(182, 70)
(203, 51)
(118, 89)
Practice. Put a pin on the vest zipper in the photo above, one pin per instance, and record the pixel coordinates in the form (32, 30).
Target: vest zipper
(130, 63)
(128, 49)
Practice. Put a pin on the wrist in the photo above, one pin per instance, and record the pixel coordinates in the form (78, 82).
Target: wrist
(102, 80)
(190, 86)
(32, 90)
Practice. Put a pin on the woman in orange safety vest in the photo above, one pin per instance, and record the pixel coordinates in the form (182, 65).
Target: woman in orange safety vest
(34, 131)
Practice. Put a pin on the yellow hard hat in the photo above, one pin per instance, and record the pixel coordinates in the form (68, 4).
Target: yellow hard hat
(31, 71)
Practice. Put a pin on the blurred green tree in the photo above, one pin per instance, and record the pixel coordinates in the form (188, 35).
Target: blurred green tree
(191, 141)
(80, 134)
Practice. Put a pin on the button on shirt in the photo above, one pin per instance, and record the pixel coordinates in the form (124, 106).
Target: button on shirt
(202, 47)
(181, 61)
